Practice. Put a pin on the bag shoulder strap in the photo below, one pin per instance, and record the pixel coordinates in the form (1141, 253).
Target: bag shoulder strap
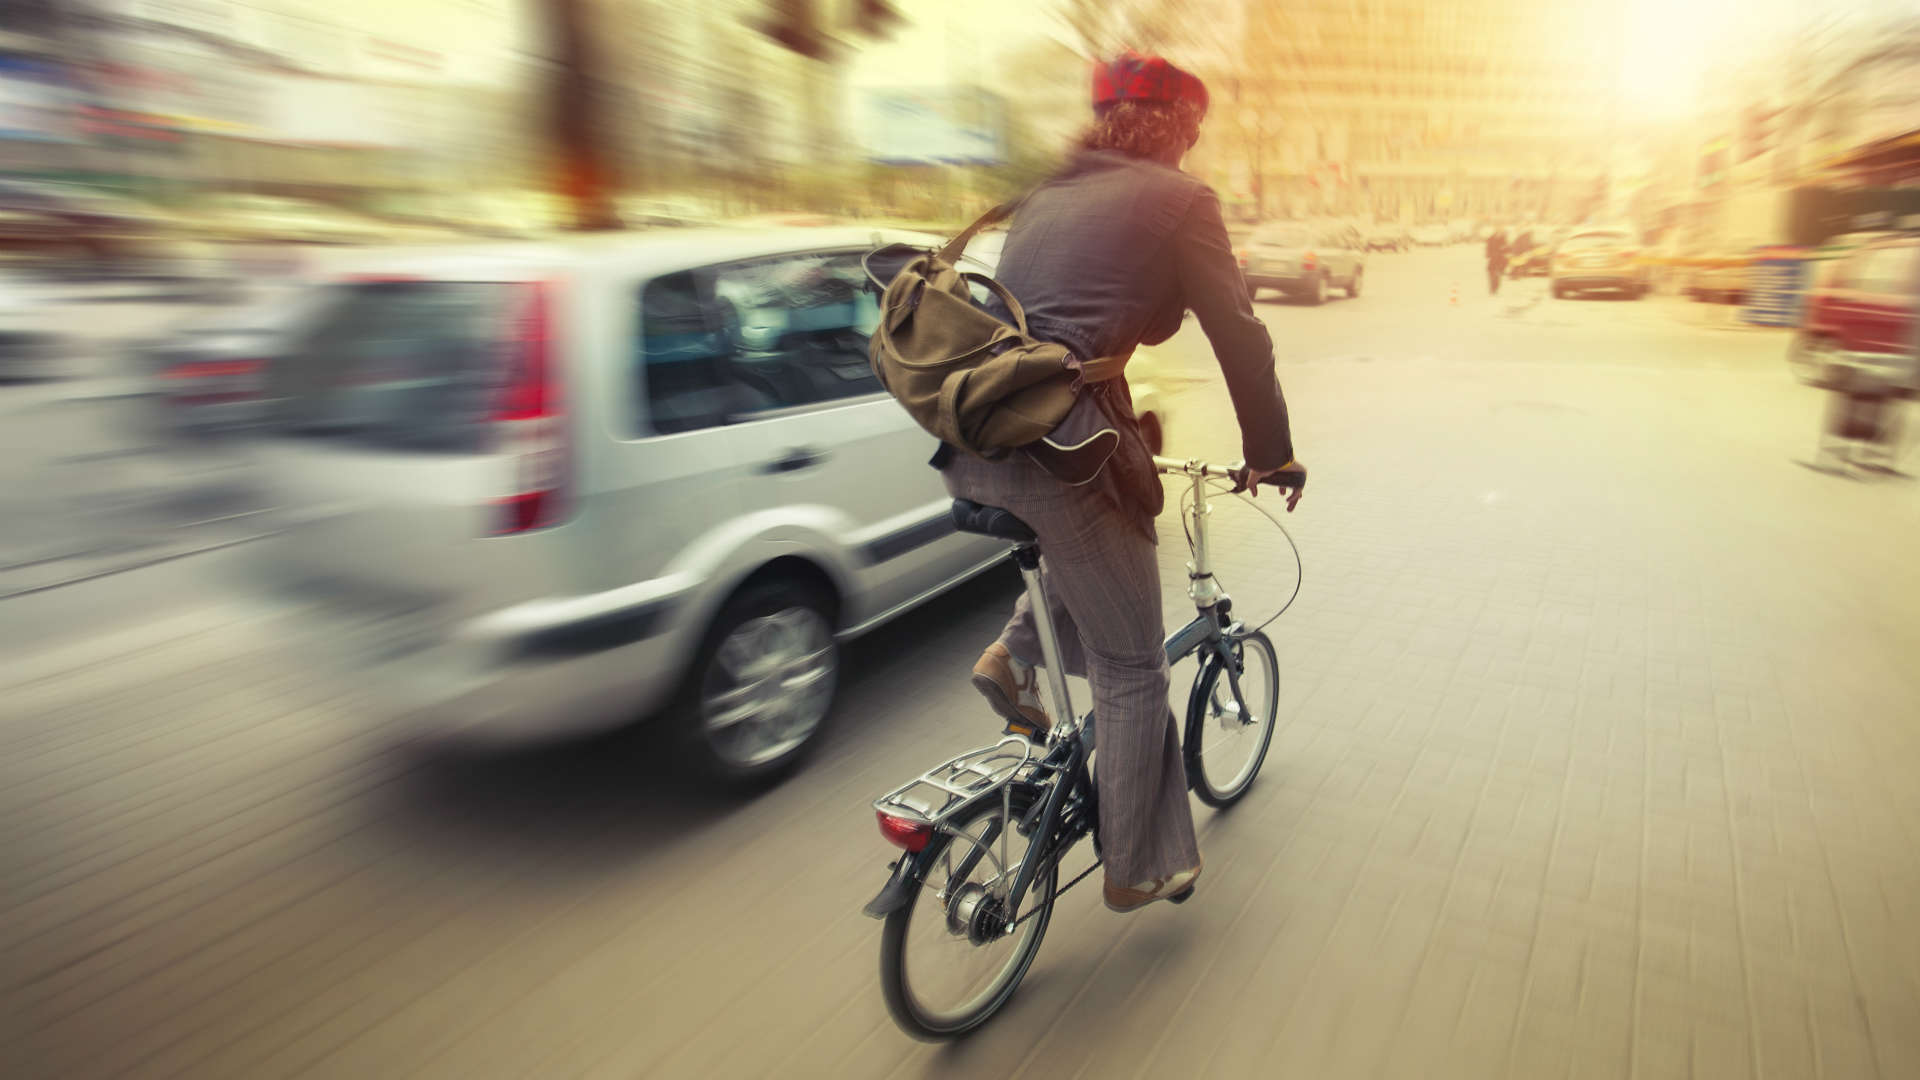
(959, 243)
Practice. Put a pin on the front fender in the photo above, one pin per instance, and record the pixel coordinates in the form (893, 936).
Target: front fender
(1191, 738)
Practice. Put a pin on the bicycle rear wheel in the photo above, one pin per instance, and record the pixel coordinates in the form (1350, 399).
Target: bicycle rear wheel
(1228, 731)
(944, 966)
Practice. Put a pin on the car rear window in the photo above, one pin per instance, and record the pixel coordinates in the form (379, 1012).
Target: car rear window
(399, 365)
(1282, 235)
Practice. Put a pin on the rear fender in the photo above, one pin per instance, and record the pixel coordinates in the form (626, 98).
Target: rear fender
(897, 893)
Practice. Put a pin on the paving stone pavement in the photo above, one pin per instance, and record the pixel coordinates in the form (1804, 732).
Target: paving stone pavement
(1596, 760)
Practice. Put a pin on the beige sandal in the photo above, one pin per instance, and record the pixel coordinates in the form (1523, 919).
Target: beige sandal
(1176, 887)
(1017, 700)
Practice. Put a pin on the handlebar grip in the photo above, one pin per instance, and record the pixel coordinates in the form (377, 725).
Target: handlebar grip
(1294, 478)
(1289, 478)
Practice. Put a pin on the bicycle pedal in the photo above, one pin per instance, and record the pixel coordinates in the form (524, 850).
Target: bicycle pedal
(1025, 731)
(1182, 896)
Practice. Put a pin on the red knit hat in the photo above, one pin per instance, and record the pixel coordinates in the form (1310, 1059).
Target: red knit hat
(1133, 77)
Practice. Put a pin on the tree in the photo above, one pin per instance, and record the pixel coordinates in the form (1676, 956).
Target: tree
(578, 120)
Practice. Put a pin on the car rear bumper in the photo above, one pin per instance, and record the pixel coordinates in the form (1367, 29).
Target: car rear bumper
(528, 673)
(1598, 279)
(481, 696)
(1296, 281)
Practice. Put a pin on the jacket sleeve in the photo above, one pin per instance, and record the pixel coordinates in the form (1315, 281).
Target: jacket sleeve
(1211, 281)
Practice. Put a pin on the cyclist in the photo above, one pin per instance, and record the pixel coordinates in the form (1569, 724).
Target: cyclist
(1108, 254)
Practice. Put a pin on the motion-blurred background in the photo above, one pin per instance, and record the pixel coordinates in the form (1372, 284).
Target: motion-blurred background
(444, 500)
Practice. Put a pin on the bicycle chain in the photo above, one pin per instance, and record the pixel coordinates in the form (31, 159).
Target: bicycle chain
(1057, 894)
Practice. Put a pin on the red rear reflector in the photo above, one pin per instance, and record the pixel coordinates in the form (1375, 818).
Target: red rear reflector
(902, 833)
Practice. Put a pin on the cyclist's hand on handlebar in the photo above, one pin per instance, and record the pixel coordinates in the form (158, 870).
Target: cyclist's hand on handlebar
(1290, 479)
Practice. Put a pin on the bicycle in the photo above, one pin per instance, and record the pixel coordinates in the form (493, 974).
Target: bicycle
(988, 912)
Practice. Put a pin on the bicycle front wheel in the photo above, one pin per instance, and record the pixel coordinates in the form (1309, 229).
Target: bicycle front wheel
(946, 962)
(1230, 720)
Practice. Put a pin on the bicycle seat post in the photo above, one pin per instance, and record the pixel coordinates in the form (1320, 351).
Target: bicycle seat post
(1027, 558)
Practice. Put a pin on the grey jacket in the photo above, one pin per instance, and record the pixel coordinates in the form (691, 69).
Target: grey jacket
(1113, 250)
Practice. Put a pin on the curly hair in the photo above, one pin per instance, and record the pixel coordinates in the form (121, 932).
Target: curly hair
(1146, 129)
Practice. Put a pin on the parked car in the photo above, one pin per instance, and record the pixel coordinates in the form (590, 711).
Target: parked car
(1859, 323)
(1431, 235)
(210, 373)
(1388, 238)
(1599, 258)
(1719, 275)
(1304, 260)
(1536, 259)
(556, 487)
(31, 346)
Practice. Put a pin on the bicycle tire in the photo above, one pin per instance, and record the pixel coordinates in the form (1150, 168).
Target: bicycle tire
(1222, 792)
(913, 1015)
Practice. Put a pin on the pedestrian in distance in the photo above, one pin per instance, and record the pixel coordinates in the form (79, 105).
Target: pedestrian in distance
(1496, 260)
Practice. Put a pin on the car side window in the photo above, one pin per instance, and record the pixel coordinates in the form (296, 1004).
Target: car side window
(1869, 271)
(1886, 270)
(721, 344)
(683, 357)
(798, 328)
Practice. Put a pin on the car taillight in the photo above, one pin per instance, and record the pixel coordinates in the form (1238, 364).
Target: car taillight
(1242, 255)
(208, 369)
(212, 382)
(531, 422)
(1307, 260)
(904, 833)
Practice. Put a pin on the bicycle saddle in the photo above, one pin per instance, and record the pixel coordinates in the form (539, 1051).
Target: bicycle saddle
(972, 517)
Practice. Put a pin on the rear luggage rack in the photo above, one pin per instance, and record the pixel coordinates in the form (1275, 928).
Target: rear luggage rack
(945, 789)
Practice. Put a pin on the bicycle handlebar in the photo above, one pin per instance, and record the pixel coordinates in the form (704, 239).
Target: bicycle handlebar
(1237, 472)
(1194, 467)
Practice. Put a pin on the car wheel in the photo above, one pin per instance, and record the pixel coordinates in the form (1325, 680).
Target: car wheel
(1353, 287)
(1151, 433)
(1559, 291)
(1253, 291)
(1317, 292)
(762, 684)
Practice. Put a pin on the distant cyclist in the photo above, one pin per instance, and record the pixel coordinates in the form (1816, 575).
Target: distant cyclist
(1107, 255)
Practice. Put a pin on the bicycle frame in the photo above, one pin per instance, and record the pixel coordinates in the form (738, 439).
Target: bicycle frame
(1070, 743)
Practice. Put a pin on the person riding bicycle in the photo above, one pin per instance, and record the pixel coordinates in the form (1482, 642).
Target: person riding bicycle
(1106, 255)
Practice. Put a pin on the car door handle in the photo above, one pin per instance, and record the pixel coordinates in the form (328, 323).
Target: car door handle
(796, 459)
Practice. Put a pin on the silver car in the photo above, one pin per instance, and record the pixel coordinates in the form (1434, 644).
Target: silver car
(554, 488)
(1305, 260)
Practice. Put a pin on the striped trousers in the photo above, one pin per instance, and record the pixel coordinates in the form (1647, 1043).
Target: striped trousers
(1102, 581)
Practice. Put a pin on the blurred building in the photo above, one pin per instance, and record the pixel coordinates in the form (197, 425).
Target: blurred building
(1415, 109)
(295, 94)
(38, 132)
(1817, 134)
(706, 100)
